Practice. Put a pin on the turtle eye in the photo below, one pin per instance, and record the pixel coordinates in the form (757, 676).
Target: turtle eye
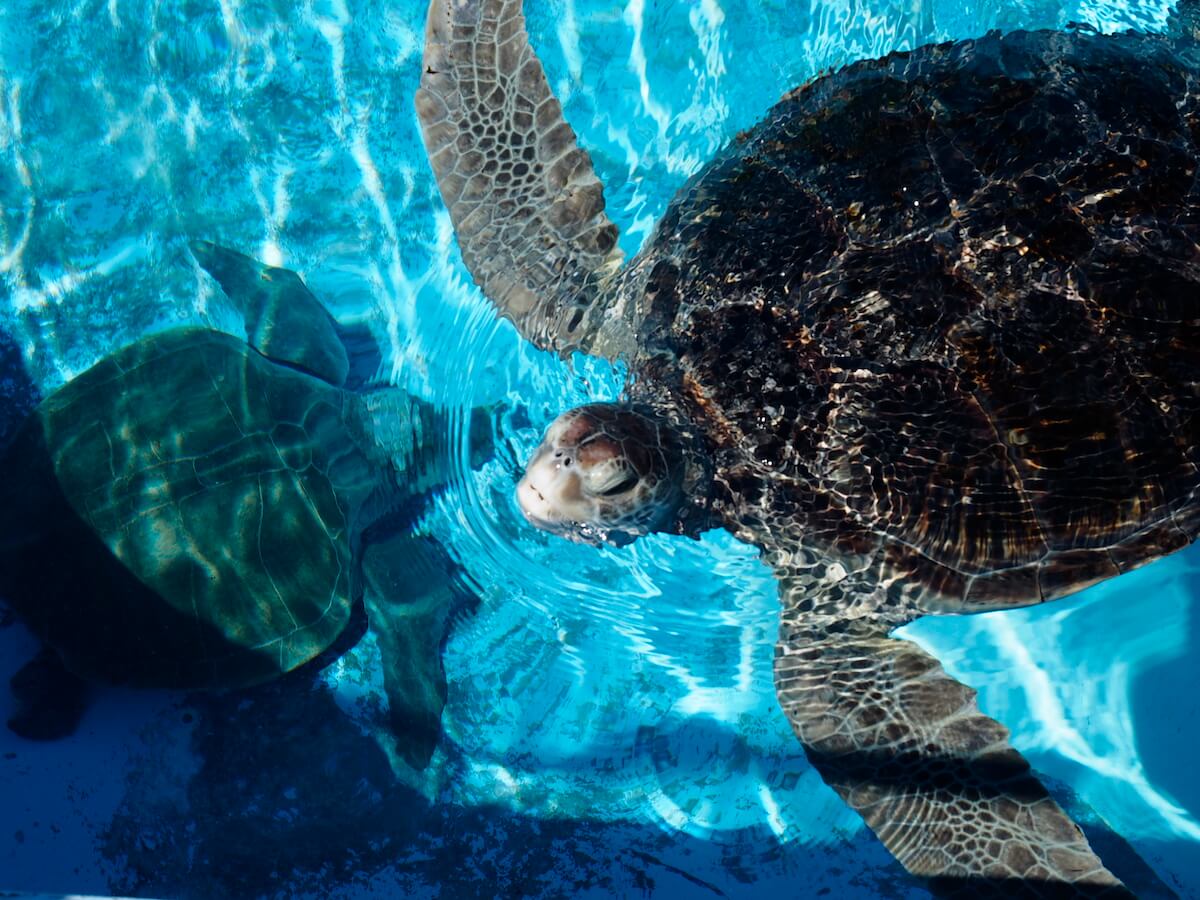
(625, 484)
(608, 480)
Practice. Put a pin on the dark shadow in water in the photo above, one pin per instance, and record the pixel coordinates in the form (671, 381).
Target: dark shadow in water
(18, 395)
(286, 796)
(291, 798)
(366, 359)
(1117, 854)
(42, 681)
(1159, 695)
(1166, 720)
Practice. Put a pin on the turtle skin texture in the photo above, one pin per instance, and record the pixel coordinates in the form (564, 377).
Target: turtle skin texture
(937, 322)
(940, 312)
(179, 515)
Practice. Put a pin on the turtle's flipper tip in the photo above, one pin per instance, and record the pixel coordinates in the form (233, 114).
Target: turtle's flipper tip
(202, 250)
(224, 264)
(208, 254)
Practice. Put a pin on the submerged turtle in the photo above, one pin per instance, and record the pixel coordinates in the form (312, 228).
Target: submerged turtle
(928, 336)
(196, 511)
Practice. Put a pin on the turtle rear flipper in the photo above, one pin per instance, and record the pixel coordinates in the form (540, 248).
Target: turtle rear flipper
(417, 438)
(410, 601)
(284, 321)
(527, 207)
(906, 746)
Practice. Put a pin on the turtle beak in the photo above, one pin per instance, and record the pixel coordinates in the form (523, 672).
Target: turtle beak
(550, 494)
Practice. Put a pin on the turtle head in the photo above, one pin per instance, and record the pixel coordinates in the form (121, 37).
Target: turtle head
(606, 472)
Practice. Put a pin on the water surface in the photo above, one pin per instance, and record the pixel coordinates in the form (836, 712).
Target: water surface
(611, 725)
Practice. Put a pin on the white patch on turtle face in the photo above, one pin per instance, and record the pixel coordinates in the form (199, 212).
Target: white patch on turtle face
(601, 473)
(551, 493)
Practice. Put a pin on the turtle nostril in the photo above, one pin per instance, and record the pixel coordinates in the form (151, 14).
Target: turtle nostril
(566, 462)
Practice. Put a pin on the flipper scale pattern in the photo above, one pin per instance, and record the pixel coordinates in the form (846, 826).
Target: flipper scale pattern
(907, 747)
(527, 207)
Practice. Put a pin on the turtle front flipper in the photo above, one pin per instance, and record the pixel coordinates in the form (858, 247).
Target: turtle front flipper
(527, 207)
(284, 321)
(906, 746)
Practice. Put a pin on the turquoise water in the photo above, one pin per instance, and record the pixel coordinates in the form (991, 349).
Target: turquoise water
(611, 725)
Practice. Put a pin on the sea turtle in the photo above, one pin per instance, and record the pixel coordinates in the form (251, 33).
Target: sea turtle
(928, 336)
(194, 511)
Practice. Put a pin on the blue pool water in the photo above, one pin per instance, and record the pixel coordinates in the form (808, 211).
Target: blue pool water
(611, 727)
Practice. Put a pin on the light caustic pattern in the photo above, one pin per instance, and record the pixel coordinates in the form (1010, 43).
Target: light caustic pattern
(631, 683)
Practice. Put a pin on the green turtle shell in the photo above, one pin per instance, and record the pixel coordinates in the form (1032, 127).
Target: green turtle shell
(943, 309)
(180, 515)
